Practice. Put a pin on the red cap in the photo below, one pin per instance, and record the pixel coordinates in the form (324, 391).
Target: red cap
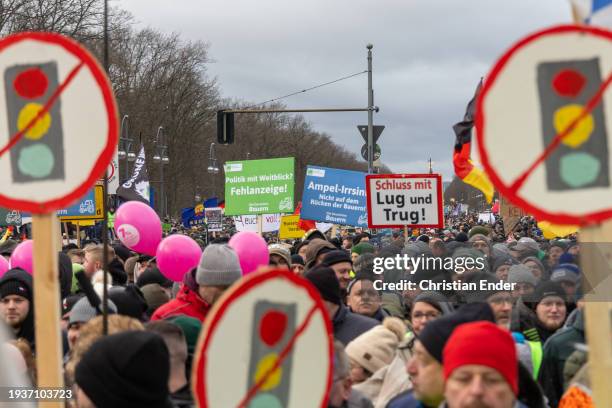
(482, 343)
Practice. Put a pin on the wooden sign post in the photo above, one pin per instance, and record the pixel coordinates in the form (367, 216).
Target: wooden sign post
(46, 295)
(52, 159)
(596, 262)
(559, 171)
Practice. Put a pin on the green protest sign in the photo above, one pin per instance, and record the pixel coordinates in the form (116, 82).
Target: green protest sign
(259, 186)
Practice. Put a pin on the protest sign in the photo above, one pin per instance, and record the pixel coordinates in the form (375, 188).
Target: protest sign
(557, 166)
(259, 186)
(214, 219)
(280, 335)
(335, 196)
(511, 214)
(398, 200)
(89, 207)
(270, 223)
(289, 228)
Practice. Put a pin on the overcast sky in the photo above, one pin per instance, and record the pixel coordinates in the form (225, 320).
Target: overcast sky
(428, 57)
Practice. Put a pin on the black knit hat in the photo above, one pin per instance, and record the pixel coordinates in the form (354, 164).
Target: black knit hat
(128, 369)
(435, 334)
(324, 279)
(15, 285)
(129, 301)
(335, 257)
(297, 259)
(544, 289)
(153, 275)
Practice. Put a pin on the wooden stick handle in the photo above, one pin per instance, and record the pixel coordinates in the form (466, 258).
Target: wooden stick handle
(45, 230)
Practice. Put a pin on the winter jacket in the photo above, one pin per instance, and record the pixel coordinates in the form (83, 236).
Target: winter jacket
(348, 325)
(406, 400)
(356, 400)
(556, 350)
(187, 302)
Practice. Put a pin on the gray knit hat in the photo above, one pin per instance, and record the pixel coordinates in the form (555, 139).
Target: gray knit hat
(521, 274)
(83, 311)
(219, 266)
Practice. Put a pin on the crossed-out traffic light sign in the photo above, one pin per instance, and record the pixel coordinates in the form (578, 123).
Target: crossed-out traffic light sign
(39, 155)
(273, 326)
(581, 159)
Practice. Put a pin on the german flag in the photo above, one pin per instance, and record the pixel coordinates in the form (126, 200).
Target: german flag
(305, 225)
(464, 167)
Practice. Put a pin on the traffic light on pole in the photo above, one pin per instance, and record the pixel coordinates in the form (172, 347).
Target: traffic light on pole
(273, 327)
(39, 155)
(581, 160)
(225, 127)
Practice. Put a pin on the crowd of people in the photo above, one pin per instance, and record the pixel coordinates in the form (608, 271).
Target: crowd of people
(495, 347)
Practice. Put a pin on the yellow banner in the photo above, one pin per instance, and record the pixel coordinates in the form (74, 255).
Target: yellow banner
(289, 227)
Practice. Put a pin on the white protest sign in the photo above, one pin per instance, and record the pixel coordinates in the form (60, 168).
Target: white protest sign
(59, 120)
(270, 222)
(397, 200)
(280, 337)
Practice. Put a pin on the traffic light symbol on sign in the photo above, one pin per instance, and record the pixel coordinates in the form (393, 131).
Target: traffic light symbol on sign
(273, 326)
(39, 155)
(581, 160)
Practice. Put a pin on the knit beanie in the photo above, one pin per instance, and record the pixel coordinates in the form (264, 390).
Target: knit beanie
(466, 347)
(376, 347)
(153, 275)
(462, 237)
(536, 261)
(335, 257)
(503, 260)
(191, 328)
(219, 266)
(521, 274)
(479, 229)
(155, 296)
(559, 244)
(297, 259)
(436, 300)
(545, 289)
(127, 369)
(563, 274)
(324, 279)
(436, 332)
(18, 282)
(83, 311)
(129, 301)
(362, 248)
(15, 287)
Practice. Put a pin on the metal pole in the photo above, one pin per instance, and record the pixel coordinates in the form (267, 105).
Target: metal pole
(370, 112)
(295, 110)
(160, 152)
(105, 259)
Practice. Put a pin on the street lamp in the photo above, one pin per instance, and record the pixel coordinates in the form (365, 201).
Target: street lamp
(213, 168)
(161, 157)
(125, 145)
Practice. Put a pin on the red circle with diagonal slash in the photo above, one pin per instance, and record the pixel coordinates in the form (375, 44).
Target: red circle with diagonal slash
(104, 158)
(510, 191)
(216, 314)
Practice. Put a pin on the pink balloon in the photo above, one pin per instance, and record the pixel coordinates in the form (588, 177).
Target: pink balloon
(176, 255)
(138, 227)
(4, 265)
(22, 256)
(251, 249)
